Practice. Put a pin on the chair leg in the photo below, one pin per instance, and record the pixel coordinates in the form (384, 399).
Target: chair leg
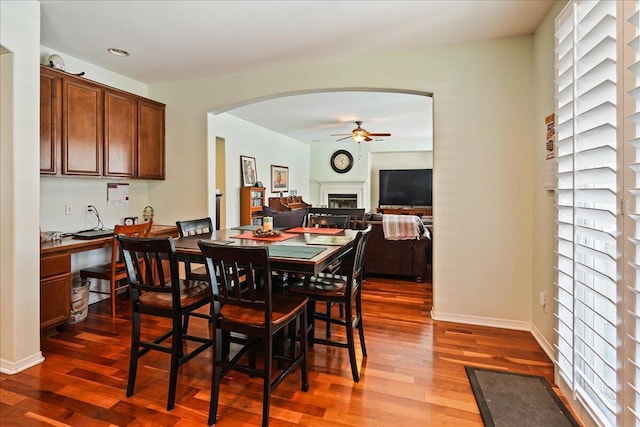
(304, 375)
(351, 344)
(176, 354)
(215, 377)
(135, 351)
(266, 387)
(360, 326)
(328, 327)
(114, 293)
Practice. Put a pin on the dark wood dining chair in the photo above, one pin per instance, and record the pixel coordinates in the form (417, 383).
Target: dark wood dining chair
(194, 227)
(327, 221)
(245, 304)
(115, 271)
(344, 288)
(157, 291)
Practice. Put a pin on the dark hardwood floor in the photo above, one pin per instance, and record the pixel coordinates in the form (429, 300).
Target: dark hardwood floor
(414, 374)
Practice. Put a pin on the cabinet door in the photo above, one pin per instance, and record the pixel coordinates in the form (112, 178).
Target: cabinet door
(150, 140)
(55, 301)
(82, 128)
(120, 123)
(50, 121)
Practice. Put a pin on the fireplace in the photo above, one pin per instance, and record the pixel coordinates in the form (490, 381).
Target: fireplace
(349, 201)
(335, 194)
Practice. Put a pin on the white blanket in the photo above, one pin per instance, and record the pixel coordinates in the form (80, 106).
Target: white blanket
(402, 227)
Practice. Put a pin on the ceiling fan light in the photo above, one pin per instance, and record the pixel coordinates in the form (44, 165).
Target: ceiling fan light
(358, 137)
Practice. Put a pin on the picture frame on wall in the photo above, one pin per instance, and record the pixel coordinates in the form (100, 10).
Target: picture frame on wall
(249, 171)
(279, 179)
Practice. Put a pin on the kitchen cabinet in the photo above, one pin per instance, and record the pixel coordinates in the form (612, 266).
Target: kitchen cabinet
(97, 130)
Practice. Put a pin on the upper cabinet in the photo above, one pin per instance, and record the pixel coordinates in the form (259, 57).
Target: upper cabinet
(98, 130)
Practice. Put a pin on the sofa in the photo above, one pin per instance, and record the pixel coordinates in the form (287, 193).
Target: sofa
(404, 258)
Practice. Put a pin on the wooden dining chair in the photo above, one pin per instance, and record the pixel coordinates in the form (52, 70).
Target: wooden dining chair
(344, 288)
(327, 221)
(157, 291)
(195, 227)
(115, 271)
(245, 304)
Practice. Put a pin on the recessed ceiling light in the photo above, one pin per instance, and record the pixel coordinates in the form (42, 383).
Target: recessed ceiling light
(117, 52)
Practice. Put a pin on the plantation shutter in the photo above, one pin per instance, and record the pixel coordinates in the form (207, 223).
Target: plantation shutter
(631, 370)
(587, 204)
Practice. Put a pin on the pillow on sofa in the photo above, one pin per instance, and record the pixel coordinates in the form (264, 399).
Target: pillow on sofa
(287, 219)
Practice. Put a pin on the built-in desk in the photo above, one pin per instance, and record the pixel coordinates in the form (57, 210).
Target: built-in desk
(55, 274)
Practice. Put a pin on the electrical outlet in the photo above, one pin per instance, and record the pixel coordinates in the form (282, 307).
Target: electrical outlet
(542, 296)
(68, 210)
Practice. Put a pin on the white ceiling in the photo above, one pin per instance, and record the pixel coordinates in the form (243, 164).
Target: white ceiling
(177, 40)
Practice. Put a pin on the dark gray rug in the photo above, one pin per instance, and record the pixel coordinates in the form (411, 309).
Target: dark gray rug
(507, 399)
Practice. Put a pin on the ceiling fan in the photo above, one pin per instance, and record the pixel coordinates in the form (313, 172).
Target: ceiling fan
(359, 134)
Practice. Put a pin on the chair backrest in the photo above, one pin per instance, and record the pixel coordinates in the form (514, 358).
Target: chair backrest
(195, 226)
(146, 260)
(352, 264)
(135, 230)
(356, 215)
(240, 276)
(327, 221)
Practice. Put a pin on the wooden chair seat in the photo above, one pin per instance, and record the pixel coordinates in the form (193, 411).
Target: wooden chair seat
(191, 292)
(282, 310)
(327, 283)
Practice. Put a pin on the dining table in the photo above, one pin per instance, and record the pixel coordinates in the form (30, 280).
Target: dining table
(299, 250)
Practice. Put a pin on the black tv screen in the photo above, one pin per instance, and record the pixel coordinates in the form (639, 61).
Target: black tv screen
(406, 187)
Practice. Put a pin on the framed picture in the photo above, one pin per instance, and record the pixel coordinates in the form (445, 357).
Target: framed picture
(279, 178)
(248, 168)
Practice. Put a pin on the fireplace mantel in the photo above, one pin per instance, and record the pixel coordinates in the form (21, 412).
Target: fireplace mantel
(341, 187)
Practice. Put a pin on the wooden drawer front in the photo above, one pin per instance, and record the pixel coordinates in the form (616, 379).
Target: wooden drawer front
(55, 301)
(55, 265)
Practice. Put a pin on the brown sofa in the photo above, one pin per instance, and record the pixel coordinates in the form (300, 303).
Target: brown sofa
(407, 258)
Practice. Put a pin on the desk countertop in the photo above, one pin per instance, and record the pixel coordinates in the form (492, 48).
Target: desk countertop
(70, 245)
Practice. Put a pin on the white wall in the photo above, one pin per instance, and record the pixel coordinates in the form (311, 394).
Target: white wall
(19, 186)
(482, 144)
(268, 148)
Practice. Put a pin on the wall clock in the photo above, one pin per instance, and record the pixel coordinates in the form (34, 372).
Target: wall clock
(341, 161)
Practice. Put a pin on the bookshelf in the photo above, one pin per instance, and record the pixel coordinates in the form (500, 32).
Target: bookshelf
(251, 202)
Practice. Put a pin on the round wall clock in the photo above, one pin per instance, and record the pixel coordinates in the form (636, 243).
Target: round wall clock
(341, 161)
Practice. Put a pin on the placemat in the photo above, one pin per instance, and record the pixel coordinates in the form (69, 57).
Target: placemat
(328, 240)
(249, 235)
(315, 230)
(291, 251)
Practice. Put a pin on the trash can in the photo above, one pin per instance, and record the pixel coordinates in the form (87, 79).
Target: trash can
(79, 300)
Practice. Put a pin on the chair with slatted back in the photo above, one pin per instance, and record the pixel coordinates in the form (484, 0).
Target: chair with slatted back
(343, 288)
(195, 227)
(157, 291)
(327, 221)
(245, 304)
(114, 271)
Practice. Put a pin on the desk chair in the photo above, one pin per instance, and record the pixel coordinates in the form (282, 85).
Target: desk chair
(242, 306)
(191, 228)
(343, 288)
(115, 271)
(158, 291)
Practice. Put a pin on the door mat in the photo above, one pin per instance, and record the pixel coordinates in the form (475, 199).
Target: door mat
(508, 399)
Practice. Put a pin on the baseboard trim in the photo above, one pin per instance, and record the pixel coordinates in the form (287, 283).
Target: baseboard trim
(12, 368)
(481, 321)
(547, 347)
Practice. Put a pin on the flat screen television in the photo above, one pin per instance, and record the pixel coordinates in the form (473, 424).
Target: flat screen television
(406, 187)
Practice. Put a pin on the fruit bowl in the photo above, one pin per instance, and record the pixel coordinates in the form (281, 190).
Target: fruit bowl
(259, 232)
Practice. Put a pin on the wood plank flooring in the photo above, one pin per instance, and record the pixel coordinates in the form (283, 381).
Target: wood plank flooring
(413, 376)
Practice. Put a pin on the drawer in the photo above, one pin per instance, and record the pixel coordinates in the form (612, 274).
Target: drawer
(55, 265)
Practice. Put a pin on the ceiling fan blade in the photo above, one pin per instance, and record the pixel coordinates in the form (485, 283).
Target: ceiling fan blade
(346, 137)
(368, 139)
(379, 134)
(340, 134)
